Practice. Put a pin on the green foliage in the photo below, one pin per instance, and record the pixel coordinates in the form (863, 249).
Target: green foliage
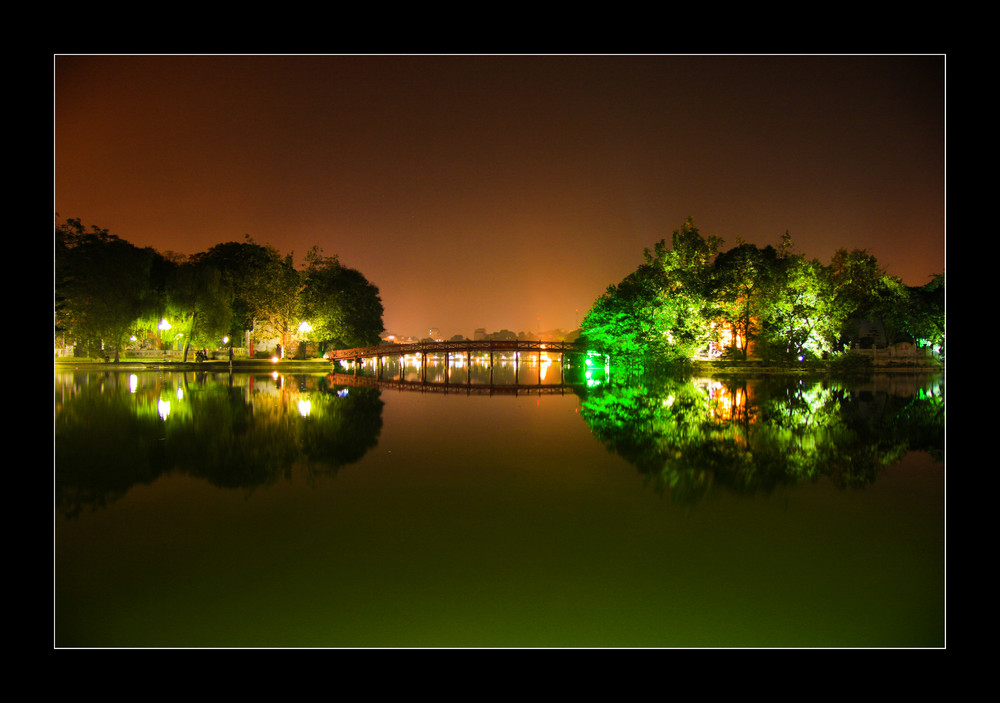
(799, 316)
(623, 321)
(103, 285)
(658, 311)
(199, 297)
(743, 284)
(107, 289)
(264, 286)
(341, 305)
(784, 305)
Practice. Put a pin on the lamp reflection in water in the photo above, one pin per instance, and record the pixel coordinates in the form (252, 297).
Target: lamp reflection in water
(305, 406)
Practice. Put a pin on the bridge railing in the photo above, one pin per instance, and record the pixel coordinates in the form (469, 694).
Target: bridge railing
(483, 345)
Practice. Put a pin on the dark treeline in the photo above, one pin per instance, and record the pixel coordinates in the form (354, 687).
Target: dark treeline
(694, 298)
(108, 291)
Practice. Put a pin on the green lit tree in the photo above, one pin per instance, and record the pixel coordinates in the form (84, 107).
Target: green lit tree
(658, 312)
(264, 284)
(342, 307)
(799, 314)
(743, 284)
(685, 313)
(198, 296)
(622, 322)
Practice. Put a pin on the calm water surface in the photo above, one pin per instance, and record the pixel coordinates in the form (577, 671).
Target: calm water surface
(217, 510)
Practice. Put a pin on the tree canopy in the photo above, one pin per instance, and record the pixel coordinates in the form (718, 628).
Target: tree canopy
(341, 305)
(104, 285)
(661, 307)
(107, 290)
(695, 297)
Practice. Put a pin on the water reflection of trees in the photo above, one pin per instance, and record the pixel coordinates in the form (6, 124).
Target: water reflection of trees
(752, 435)
(114, 431)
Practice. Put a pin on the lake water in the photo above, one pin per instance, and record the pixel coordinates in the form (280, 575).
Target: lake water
(284, 510)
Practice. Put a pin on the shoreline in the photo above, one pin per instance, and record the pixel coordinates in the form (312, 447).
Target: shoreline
(317, 365)
(326, 366)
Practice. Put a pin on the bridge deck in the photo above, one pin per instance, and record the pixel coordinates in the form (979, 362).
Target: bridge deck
(462, 347)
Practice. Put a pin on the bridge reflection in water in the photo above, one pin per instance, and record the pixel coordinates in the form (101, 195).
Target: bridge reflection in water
(388, 364)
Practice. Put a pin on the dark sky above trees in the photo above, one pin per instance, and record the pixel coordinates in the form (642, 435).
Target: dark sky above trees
(505, 191)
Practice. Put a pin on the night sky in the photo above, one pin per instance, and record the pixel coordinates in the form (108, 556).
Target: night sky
(505, 191)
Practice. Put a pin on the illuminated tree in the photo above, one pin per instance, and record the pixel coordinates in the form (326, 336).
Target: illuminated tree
(800, 315)
(622, 322)
(685, 313)
(343, 308)
(198, 296)
(785, 304)
(743, 281)
(659, 311)
(264, 285)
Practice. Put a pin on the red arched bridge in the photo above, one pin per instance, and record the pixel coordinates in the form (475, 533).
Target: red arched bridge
(467, 347)
(464, 348)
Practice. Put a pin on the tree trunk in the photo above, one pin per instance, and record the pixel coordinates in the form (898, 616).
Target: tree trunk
(190, 334)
